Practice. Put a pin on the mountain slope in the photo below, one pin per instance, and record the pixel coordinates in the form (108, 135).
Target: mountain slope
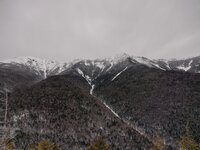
(154, 97)
(57, 109)
(159, 102)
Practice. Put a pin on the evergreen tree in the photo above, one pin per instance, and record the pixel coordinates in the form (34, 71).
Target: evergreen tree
(158, 144)
(46, 145)
(99, 144)
(187, 142)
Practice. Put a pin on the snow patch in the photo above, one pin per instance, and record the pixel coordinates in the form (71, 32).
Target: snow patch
(80, 72)
(182, 67)
(167, 64)
(89, 80)
(87, 63)
(190, 62)
(99, 65)
(86, 77)
(44, 69)
(92, 89)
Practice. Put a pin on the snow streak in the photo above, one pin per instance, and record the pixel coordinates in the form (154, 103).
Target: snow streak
(111, 110)
(92, 89)
(119, 74)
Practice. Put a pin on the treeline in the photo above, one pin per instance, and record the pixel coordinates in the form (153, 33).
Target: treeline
(42, 145)
(186, 142)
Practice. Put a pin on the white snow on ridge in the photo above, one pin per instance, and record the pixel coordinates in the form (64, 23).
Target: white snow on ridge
(119, 74)
(99, 64)
(41, 66)
(143, 61)
(44, 68)
(182, 67)
(167, 64)
(80, 72)
(158, 66)
(87, 63)
(163, 60)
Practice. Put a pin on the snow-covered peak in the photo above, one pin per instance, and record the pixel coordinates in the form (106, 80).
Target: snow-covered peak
(95, 63)
(41, 66)
(136, 59)
(95, 68)
(117, 58)
(143, 60)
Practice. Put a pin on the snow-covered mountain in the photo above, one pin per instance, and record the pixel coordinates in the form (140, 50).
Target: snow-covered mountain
(46, 67)
(189, 64)
(149, 96)
(90, 70)
(42, 67)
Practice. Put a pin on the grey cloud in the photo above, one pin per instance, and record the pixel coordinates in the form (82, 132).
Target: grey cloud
(67, 29)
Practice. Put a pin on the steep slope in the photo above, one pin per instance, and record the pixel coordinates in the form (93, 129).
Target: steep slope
(157, 101)
(16, 76)
(59, 110)
(92, 70)
(25, 71)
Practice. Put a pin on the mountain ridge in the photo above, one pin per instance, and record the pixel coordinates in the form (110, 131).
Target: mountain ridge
(48, 65)
(90, 70)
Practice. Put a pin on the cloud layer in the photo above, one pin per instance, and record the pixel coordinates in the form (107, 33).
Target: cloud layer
(68, 29)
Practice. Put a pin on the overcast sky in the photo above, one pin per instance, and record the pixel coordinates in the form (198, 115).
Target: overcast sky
(68, 29)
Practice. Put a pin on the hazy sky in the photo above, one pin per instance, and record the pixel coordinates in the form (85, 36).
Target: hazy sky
(68, 29)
